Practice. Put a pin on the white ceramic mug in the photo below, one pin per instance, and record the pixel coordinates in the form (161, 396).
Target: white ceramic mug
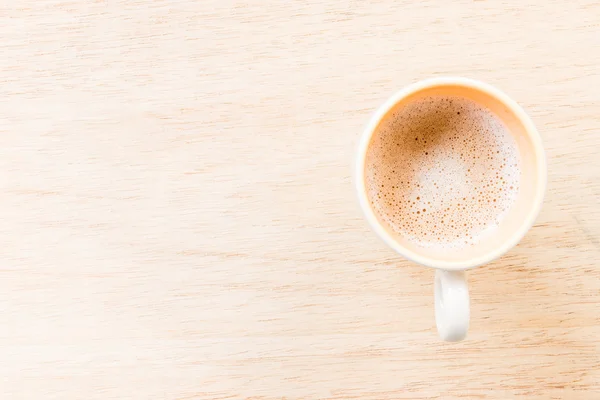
(452, 309)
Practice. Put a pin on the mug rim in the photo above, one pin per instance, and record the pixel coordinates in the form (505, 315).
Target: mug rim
(532, 132)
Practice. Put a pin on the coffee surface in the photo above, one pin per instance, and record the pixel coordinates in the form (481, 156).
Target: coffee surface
(442, 171)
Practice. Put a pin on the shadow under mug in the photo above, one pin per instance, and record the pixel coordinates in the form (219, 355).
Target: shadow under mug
(452, 309)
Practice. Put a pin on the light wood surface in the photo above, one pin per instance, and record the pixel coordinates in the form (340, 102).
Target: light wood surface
(178, 219)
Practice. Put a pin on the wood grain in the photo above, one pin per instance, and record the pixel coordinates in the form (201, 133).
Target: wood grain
(178, 220)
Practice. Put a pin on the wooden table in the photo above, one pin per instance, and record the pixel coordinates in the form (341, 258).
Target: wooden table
(178, 219)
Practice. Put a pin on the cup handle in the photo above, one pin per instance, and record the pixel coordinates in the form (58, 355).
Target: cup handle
(452, 309)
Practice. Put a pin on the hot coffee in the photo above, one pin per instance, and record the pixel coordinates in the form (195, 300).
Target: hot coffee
(442, 171)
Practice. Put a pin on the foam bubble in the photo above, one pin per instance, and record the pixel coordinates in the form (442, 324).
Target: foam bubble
(442, 171)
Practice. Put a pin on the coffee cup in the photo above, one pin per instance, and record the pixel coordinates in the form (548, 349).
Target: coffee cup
(499, 169)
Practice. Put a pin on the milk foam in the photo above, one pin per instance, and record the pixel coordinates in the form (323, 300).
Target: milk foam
(442, 171)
